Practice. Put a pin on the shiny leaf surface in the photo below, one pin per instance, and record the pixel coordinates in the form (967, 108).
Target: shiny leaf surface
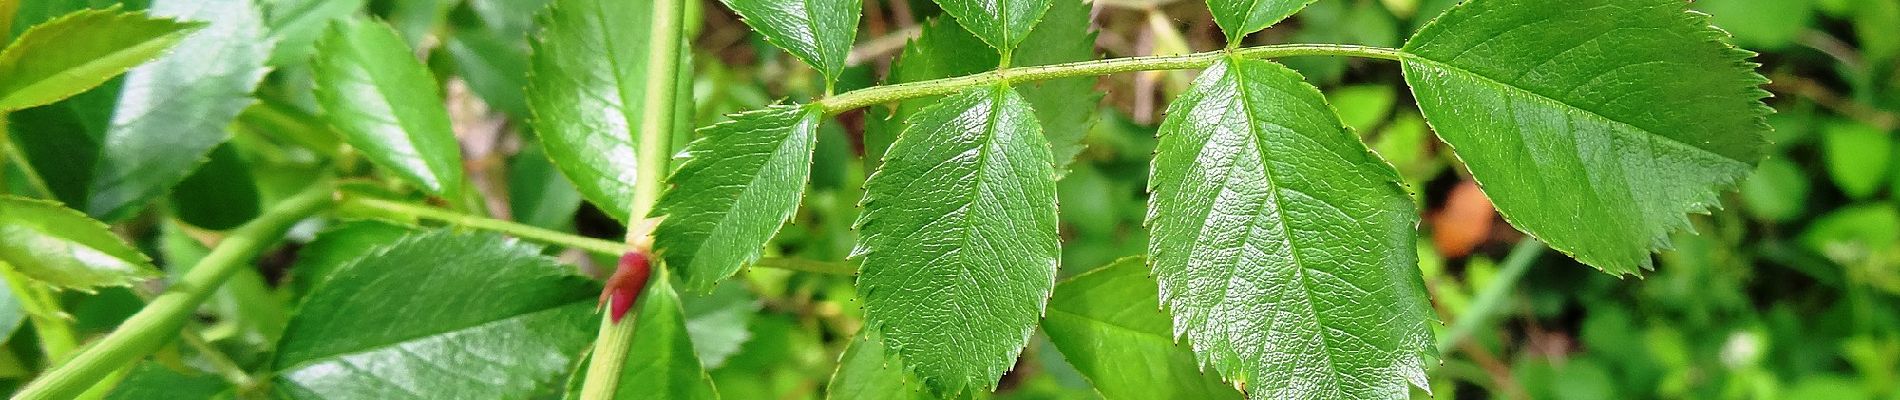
(817, 31)
(173, 111)
(959, 238)
(388, 105)
(1283, 247)
(54, 244)
(297, 24)
(1109, 324)
(1238, 18)
(1593, 125)
(79, 51)
(438, 315)
(867, 371)
(1003, 24)
(739, 183)
(661, 363)
(585, 89)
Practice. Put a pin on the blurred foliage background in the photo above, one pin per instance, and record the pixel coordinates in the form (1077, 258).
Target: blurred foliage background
(1792, 291)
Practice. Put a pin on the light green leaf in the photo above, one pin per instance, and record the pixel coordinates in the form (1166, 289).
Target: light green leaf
(817, 31)
(1594, 125)
(173, 111)
(455, 316)
(1283, 247)
(297, 24)
(78, 51)
(1761, 23)
(740, 182)
(151, 380)
(586, 90)
(867, 371)
(1109, 324)
(661, 363)
(959, 238)
(1003, 24)
(62, 247)
(1242, 17)
(1857, 157)
(718, 322)
(388, 105)
(1778, 191)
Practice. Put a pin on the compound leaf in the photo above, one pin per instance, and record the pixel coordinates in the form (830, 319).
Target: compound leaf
(455, 316)
(173, 111)
(740, 182)
(1283, 247)
(959, 238)
(817, 31)
(1003, 24)
(79, 51)
(1238, 18)
(586, 89)
(1593, 125)
(387, 105)
(1109, 324)
(54, 244)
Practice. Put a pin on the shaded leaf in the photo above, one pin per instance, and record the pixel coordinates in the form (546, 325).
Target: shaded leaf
(1238, 18)
(296, 24)
(455, 316)
(1109, 324)
(959, 238)
(57, 245)
(1283, 247)
(150, 380)
(718, 322)
(337, 246)
(1003, 24)
(1593, 125)
(173, 111)
(79, 51)
(388, 105)
(220, 195)
(586, 89)
(817, 31)
(661, 363)
(739, 183)
(537, 195)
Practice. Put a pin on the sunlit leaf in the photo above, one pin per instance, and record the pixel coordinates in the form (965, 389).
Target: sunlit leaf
(739, 183)
(79, 51)
(817, 31)
(388, 105)
(54, 244)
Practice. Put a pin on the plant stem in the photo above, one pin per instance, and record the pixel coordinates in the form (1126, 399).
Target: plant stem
(523, 231)
(1492, 297)
(657, 124)
(889, 93)
(160, 320)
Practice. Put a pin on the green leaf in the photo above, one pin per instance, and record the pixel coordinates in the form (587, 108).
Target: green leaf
(296, 25)
(173, 111)
(818, 31)
(150, 380)
(1242, 17)
(495, 67)
(337, 246)
(220, 195)
(867, 371)
(537, 195)
(61, 140)
(718, 322)
(79, 51)
(1761, 23)
(740, 182)
(959, 238)
(1003, 24)
(12, 310)
(1109, 324)
(1778, 191)
(1857, 157)
(388, 105)
(661, 363)
(454, 316)
(62, 247)
(1594, 125)
(586, 88)
(1284, 248)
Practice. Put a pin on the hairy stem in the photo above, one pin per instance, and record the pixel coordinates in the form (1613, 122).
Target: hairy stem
(889, 93)
(160, 320)
(523, 231)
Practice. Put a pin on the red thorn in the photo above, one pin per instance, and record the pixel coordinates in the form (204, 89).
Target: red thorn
(624, 287)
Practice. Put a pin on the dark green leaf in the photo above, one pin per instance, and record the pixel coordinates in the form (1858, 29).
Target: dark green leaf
(62, 247)
(537, 195)
(587, 89)
(495, 67)
(387, 105)
(1241, 17)
(1003, 24)
(1109, 324)
(817, 31)
(508, 18)
(1283, 247)
(79, 51)
(740, 182)
(867, 371)
(337, 246)
(959, 238)
(1594, 125)
(296, 25)
(220, 195)
(150, 380)
(173, 111)
(661, 363)
(61, 140)
(454, 316)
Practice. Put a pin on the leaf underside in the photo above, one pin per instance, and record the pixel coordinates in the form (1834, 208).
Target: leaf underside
(1283, 247)
(1593, 125)
(386, 104)
(820, 32)
(79, 51)
(741, 181)
(959, 238)
(586, 88)
(1108, 323)
(62, 247)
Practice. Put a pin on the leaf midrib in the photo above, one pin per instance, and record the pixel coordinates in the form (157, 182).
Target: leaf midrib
(96, 63)
(396, 342)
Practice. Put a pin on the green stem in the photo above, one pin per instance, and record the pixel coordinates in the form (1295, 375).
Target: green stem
(889, 93)
(666, 39)
(160, 320)
(1492, 297)
(488, 224)
(42, 307)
